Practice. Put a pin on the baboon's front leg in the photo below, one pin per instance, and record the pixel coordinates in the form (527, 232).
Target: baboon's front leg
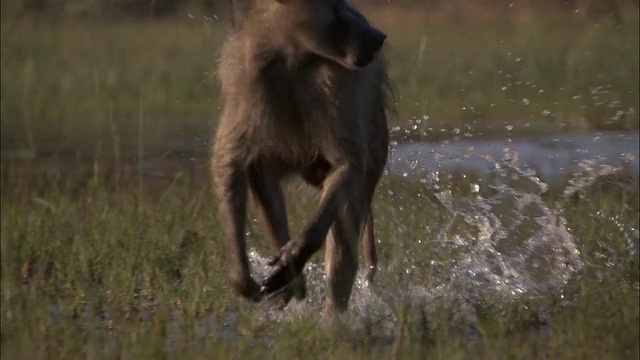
(230, 182)
(271, 210)
(339, 187)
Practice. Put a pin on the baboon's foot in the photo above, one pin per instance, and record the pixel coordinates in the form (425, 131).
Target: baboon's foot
(287, 265)
(296, 289)
(245, 286)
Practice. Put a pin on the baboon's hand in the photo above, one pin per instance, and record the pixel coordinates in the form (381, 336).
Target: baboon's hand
(287, 264)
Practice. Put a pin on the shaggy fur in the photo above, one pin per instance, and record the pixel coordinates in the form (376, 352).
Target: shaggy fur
(304, 88)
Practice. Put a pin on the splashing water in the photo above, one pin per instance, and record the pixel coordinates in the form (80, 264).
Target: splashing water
(502, 244)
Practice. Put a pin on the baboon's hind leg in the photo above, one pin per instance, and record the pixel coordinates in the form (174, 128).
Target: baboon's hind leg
(369, 247)
(271, 211)
(368, 237)
(341, 259)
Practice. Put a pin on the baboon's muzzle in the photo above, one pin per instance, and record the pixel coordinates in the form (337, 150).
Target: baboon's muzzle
(371, 44)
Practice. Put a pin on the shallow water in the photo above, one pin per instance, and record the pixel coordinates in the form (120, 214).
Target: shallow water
(550, 156)
(503, 243)
(499, 247)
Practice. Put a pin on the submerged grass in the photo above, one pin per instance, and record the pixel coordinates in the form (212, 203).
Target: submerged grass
(90, 271)
(82, 81)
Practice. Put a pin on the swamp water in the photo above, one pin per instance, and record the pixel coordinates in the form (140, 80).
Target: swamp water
(501, 242)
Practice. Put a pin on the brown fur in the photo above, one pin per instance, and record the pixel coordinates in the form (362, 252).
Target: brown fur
(295, 103)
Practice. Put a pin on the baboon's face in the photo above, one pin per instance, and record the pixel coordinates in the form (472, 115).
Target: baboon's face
(333, 29)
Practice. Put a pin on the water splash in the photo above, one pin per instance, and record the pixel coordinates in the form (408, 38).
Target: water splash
(589, 172)
(503, 243)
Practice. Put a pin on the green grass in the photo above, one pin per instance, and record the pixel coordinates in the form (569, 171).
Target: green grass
(90, 269)
(68, 80)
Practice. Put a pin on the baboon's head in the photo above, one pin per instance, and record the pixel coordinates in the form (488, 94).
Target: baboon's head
(331, 29)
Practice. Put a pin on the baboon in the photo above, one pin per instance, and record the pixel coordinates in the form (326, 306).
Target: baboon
(305, 92)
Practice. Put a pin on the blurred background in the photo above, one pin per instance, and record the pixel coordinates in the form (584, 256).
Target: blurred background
(114, 81)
